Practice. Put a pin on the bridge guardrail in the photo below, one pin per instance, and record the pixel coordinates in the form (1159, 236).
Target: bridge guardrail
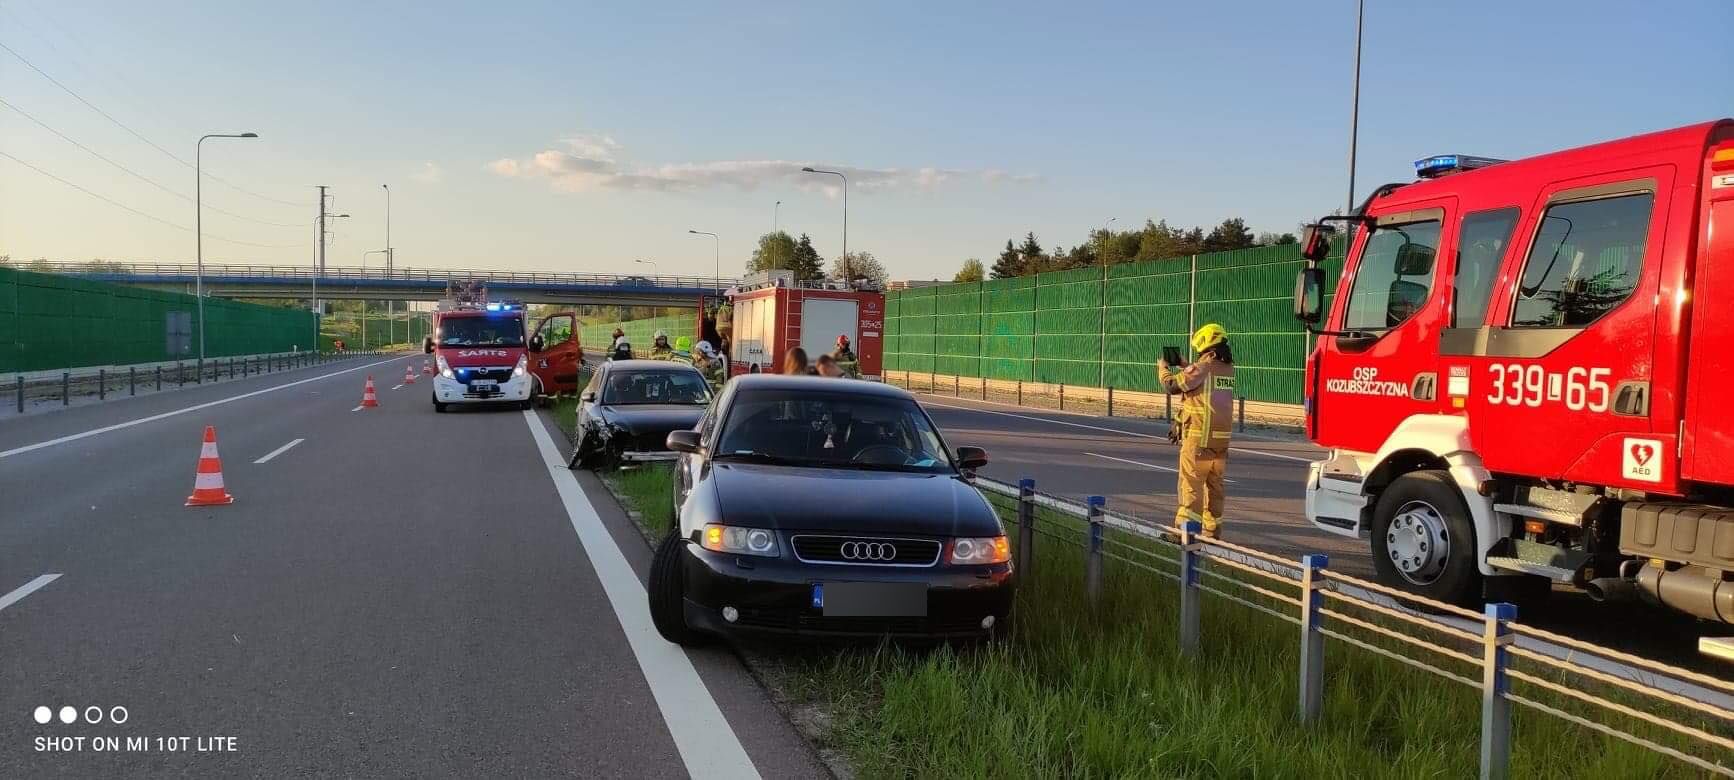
(342, 273)
(1692, 712)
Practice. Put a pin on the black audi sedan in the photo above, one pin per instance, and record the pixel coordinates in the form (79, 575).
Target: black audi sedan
(627, 410)
(828, 507)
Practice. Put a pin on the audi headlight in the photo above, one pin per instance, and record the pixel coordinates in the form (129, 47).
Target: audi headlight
(744, 541)
(969, 551)
(523, 365)
(445, 368)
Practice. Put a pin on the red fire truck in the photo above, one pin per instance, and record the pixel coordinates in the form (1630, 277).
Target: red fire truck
(1525, 376)
(773, 312)
(483, 355)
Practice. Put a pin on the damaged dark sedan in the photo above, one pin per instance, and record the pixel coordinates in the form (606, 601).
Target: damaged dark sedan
(627, 410)
(831, 508)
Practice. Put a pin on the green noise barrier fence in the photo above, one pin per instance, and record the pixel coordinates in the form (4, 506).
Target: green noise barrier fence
(1105, 327)
(381, 331)
(598, 335)
(48, 321)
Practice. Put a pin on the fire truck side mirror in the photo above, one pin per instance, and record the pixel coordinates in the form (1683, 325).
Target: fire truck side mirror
(427, 344)
(536, 343)
(1309, 295)
(1316, 242)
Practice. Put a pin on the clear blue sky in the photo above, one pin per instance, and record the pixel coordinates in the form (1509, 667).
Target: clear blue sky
(560, 136)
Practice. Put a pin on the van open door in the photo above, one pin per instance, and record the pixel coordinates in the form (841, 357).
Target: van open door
(556, 354)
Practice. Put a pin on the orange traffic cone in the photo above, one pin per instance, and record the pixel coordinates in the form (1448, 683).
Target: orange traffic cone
(208, 483)
(408, 376)
(368, 399)
(427, 367)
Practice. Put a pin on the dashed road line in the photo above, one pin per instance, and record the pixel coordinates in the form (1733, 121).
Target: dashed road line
(26, 589)
(279, 451)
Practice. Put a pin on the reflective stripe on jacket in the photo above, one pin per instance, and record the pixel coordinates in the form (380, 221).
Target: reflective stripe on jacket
(1206, 388)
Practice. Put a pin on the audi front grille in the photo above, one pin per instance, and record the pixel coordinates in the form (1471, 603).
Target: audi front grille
(866, 550)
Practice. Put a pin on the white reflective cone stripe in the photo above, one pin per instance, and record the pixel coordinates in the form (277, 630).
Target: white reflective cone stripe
(208, 451)
(208, 481)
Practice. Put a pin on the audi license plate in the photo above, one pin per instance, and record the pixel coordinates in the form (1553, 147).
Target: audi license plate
(484, 386)
(871, 599)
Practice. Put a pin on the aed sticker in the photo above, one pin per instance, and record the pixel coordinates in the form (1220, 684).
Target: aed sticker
(1641, 460)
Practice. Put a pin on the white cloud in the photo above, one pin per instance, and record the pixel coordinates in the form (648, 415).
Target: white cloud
(587, 163)
(430, 173)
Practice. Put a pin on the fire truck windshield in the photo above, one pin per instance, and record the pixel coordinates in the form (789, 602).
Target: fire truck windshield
(482, 332)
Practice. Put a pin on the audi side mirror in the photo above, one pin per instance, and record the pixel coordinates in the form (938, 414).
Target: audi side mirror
(589, 396)
(971, 458)
(683, 441)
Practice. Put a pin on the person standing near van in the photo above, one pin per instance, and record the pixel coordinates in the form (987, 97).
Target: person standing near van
(1206, 420)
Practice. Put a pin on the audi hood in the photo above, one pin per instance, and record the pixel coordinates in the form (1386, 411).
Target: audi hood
(849, 500)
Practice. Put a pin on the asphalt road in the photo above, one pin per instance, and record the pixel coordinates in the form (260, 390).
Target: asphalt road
(400, 593)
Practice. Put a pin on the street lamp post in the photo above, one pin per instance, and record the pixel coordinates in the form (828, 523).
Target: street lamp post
(199, 229)
(653, 267)
(846, 276)
(364, 302)
(390, 305)
(718, 278)
(1355, 105)
(776, 227)
(1106, 226)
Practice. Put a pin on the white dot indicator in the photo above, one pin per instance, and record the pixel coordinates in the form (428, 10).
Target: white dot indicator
(68, 715)
(44, 714)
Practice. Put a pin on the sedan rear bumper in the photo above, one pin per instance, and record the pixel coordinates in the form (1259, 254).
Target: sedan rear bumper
(775, 596)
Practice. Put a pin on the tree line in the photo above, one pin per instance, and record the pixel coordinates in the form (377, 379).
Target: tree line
(780, 251)
(1157, 240)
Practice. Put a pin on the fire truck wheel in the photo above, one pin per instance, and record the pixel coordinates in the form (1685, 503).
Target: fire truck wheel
(1423, 541)
(668, 593)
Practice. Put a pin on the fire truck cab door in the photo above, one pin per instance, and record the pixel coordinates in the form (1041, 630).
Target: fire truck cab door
(556, 365)
(1395, 304)
(1559, 379)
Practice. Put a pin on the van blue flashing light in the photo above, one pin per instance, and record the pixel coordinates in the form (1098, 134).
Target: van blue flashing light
(1446, 164)
(493, 307)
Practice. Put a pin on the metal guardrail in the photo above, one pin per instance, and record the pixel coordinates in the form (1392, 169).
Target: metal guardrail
(339, 274)
(103, 382)
(1382, 620)
(1083, 399)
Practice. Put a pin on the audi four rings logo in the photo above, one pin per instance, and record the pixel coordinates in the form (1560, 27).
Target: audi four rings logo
(869, 551)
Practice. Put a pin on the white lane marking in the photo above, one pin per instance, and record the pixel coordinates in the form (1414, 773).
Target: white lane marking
(358, 408)
(1155, 466)
(707, 743)
(279, 451)
(26, 589)
(1120, 431)
(165, 415)
(398, 387)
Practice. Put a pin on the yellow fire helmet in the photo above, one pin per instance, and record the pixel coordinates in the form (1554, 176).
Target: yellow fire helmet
(683, 344)
(1208, 336)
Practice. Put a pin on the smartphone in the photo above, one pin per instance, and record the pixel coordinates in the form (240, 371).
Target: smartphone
(1173, 356)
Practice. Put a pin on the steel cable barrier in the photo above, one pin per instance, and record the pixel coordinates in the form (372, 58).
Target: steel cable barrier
(60, 387)
(1683, 715)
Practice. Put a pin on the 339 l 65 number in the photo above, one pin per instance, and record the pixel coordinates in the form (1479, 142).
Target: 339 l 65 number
(1579, 388)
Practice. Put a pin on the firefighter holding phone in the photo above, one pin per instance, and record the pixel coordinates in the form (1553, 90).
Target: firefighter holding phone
(1205, 424)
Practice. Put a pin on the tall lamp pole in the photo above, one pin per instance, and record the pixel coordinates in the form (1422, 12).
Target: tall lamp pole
(652, 263)
(391, 305)
(846, 276)
(718, 239)
(199, 228)
(1106, 226)
(776, 226)
(1355, 104)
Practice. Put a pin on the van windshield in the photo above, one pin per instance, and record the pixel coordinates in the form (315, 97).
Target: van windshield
(501, 331)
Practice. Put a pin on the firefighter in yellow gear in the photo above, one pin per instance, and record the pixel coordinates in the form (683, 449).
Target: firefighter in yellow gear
(659, 348)
(709, 363)
(1205, 424)
(683, 350)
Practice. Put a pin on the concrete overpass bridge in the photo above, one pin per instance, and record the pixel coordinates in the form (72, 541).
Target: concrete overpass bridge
(403, 284)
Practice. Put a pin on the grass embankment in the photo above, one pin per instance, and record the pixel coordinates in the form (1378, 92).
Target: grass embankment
(645, 488)
(1105, 692)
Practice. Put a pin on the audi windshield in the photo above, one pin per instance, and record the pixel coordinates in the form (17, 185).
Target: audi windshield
(490, 331)
(833, 430)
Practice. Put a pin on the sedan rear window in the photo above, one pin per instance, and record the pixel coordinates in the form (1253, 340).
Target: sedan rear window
(831, 430)
(625, 388)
